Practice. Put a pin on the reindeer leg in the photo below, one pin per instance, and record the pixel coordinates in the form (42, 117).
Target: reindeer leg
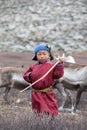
(64, 95)
(71, 97)
(5, 93)
(78, 96)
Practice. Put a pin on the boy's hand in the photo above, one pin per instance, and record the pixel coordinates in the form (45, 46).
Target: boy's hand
(60, 59)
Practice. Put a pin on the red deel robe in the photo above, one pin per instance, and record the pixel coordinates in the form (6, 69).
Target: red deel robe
(44, 101)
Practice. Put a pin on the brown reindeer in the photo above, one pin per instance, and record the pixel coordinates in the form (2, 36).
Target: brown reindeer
(12, 77)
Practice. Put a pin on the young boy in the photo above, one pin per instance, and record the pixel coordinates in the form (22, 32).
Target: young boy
(43, 96)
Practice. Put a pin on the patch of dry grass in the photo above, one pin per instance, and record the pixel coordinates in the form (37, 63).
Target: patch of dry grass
(22, 118)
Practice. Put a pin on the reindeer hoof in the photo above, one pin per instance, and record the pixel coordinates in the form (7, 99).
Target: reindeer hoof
(61, 109)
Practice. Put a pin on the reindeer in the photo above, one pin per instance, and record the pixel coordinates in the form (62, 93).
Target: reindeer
(75, 79)
(12, 77)
(65, 93)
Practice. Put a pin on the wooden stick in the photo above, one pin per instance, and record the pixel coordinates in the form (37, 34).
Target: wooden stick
(41, 77)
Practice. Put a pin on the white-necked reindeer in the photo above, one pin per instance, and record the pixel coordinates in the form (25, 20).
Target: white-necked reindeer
(65, 93)
(75, 79)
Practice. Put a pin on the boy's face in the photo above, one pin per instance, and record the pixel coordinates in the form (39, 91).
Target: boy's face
(42, 56)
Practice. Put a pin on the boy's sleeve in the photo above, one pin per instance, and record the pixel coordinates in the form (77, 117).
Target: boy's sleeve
(27, 74)
(58, 71)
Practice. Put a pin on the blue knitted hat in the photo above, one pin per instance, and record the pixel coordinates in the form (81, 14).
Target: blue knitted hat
(40, 47)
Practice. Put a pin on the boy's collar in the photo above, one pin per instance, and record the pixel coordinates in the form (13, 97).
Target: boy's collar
(43, 62)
